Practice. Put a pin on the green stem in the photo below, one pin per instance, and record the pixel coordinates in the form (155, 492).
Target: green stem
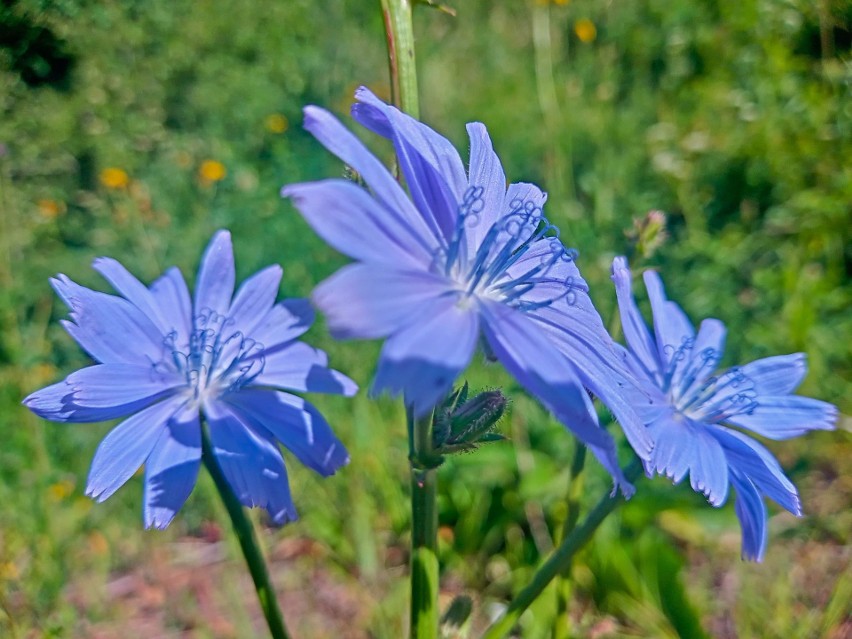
(424, 534)
(403, 70)
(248, 542)
(424, 482)
(563, 587)
(559, 560)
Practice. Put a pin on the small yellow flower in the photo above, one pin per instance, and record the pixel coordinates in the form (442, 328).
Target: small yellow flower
(212, 171)
(9, 571)
(44, 372)
(114, 178)
(98, 544)
(60, 490)
(561, 3)
(50, 209)
(585, 30)
(277, 123)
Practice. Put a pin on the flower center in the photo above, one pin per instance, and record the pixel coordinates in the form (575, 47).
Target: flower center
(520, 252)
(697, 394)
(217, 358)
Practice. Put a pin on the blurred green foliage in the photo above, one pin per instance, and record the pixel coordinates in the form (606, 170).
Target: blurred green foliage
(135, 129)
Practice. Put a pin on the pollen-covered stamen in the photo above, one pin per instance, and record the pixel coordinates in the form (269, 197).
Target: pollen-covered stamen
(468, 216)
(505, 243)
(697, 370)
(731, 393)
(217, 358)
(675, 355)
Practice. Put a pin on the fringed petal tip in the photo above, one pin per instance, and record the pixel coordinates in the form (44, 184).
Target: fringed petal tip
(620, 268)
(158, 524)
(51, 402)
(627, 489)
(283, 517)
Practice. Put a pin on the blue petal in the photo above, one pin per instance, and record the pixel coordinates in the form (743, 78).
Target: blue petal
(113, 385)
(754, 461)
(635, 331)
(431, 165)
(751, 512)
(254, 300)
(172, 468)
(779, 375)
(285, 322)
(367, 301)
(215, 284)
(340, 141)
(522, 347)
(102, 392)
(673, 329)
(296, 424)
(175, 305)
(301, 367)
(126, 447)
(681, 446)
(132, 289)
(351, 221)
(786, 417)
(578, 332)
(250, 462)
(423, 359)
(109, 328)
(52, 402)
(486, 172)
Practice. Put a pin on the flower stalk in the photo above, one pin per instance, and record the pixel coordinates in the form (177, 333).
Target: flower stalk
(249, 544)
(560, 559)
(424, 530)
(575, 491)
(424, 482)
(403, 70)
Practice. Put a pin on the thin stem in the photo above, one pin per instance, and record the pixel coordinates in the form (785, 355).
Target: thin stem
(248, 542)
(559, 560)
(563, 583)
(403, 70)
(424, 534)
(545, 50)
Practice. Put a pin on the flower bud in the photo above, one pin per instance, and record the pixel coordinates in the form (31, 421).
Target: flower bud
(462, 422)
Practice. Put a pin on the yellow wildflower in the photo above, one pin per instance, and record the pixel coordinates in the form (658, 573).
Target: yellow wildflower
(9, 571)
(277, 123)
(49, 209)
(60, 490)
(212, 171)
(114, 178)
(585, 30)
(98, 544)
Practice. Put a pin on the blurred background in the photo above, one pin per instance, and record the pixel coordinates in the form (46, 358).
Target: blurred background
(136, 129)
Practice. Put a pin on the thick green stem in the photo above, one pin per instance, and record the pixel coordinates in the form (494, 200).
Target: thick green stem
(424, 533)
(424, 554)
(248, 542)
(403, 71)
(424, 482)
(559, 560)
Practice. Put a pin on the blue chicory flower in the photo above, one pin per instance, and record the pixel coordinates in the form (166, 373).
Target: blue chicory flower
(165, 359)
(689, 408)
(464, 257)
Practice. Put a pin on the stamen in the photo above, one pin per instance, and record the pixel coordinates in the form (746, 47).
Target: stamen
(732, 393)
(216, 357)
(502, 247)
